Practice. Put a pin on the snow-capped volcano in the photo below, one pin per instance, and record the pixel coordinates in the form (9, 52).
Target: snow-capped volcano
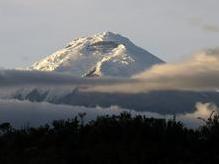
(103, 54)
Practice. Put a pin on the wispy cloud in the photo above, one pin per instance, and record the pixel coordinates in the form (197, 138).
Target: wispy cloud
(208, 27)
(211, 28)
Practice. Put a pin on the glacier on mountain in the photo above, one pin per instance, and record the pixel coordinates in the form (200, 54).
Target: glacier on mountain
(103, 54)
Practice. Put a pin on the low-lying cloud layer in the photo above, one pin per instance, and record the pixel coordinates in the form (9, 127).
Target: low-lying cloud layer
(199, 73)
(23, 113)
(29, 78)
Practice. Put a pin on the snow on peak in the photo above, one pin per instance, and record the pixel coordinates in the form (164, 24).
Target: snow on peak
(103, 54)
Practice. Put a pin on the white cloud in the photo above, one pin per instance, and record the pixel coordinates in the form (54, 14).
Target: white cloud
(22, 113)
(203, 111)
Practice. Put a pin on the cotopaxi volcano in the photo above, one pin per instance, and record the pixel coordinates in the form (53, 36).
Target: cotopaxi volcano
(103, 54)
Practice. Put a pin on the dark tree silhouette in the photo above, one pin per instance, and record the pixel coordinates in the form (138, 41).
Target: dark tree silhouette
(112, 139)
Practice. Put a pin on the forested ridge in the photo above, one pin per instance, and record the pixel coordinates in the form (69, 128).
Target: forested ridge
(111, 139)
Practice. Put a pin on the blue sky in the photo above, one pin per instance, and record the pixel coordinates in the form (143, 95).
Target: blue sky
(170, 29)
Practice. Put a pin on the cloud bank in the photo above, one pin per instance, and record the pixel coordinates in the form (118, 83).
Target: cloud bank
(199, 73)
(23, 113)
(10, 78)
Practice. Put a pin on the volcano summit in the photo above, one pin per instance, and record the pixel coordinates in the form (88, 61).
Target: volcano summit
(103, 54)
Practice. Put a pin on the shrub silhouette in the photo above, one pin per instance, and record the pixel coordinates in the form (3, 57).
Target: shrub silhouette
(5, 127)
(112, 139)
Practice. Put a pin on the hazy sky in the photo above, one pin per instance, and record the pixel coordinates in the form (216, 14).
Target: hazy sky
(170, 29)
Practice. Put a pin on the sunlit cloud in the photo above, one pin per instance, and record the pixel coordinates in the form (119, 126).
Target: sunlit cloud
(199, 73)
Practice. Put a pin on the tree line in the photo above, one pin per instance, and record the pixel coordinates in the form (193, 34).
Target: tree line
(110, 140)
